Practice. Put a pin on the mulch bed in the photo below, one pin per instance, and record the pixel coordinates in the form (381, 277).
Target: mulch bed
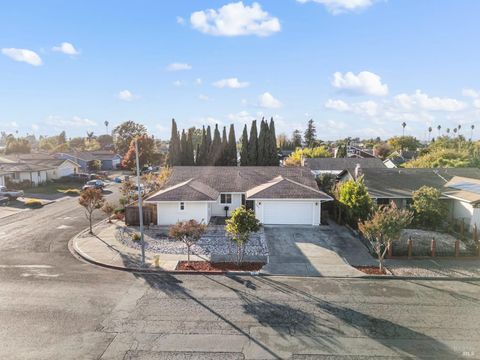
(371, 270)
(205, 266)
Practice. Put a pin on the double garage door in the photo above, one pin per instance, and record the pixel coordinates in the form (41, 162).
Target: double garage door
(289, 213)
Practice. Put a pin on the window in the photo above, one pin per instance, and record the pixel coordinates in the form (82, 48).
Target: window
(225, 198)
(182, 206)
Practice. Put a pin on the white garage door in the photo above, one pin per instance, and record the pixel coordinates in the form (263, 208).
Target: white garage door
(287, 212)
(65, 170)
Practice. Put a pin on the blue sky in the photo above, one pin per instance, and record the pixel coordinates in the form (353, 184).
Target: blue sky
(357, 67)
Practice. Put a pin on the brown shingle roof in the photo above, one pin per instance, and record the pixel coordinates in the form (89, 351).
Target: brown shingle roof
(235, 179)
(281, 188)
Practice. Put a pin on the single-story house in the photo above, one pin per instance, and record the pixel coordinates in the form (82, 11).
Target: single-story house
(109, 160)
(359, 152)
(20, 172)
(336, 166)
(398, 158)
(465, 193)
(278, 195)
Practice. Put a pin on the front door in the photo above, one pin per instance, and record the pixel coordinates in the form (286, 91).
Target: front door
(249, 204)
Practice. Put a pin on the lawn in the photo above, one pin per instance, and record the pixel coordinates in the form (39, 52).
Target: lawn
(53, 188)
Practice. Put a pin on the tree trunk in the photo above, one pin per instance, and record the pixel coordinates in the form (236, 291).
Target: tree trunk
(90, 223)
(188, 255)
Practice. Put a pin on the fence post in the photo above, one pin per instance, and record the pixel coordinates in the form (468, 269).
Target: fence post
(390, 249)
(433, 247)
(409, 247)
(457, 248)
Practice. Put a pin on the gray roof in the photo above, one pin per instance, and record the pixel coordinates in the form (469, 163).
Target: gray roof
(23, 167)
(190, 190)
(340, 164)
(91, 155)
(401, 183)
(282, 188)
(238, 179)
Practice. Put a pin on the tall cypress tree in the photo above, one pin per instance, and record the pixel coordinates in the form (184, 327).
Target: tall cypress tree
(310, 136)
(273, 153)
(208, 147)
(189, 158)
(202, 149)
(262, 144)
(174, 147)
(197, 155)
(216, 147)
(253, 144)
(232, 147)
(224, 148)
(183, 149)
(244, 149)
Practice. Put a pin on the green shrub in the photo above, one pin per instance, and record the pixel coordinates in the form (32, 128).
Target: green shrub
(119, 210)
(33, 203)
(71, 192)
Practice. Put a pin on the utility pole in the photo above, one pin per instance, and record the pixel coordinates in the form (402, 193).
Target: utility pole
(140, 210)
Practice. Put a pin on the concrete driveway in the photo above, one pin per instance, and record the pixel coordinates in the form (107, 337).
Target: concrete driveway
(314, 251)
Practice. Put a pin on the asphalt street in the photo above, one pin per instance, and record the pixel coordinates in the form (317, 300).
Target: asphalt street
(54, 306)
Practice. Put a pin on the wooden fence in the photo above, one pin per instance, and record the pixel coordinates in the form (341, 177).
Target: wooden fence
(132, 217)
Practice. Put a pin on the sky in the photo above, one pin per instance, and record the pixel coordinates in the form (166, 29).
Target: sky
(357, 67)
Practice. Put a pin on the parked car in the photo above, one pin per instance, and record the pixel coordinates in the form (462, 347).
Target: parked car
(4, 201)
(134, 191)
(118, 179)
(94, 184)
(10, 194)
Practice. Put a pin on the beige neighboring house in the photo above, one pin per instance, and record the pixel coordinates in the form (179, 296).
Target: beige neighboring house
(3, 175)
(465, 193)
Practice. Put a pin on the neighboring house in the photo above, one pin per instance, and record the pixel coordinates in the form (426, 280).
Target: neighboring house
(397, 158)
(57, 168)
(20, 172)
(465, 194)
(337, 166)
(397, 185)
(109, 160)
(278, 195)
(359, 152)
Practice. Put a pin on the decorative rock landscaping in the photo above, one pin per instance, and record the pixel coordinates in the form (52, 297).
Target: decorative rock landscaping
(214, 242)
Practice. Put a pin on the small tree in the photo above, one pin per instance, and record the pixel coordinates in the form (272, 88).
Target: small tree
(94, 165)
(127, 190)
(353, 196)
(384, 227)
(108, 209)
(429, 211)
(240, 225)
(189, 232)
(91, 199)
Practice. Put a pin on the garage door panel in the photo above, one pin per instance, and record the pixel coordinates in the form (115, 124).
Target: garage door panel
(288, 213)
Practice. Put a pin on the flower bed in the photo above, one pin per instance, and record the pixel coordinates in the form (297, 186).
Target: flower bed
(218, 267)
(371, 270)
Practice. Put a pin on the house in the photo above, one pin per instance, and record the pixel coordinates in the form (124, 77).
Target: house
(465, 193)
(278, 195)
(108, 159)
(398, 158)
(56, 168)
(359, 152)
(3, 175)
(397, 185)
(337, 166)
(23, 172)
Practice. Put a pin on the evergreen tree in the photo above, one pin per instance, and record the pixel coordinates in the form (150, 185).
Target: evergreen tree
(202, 150)
(208, 146)
(174, 147)
(189, 157)
(232, 147)
(215, 154)
(253, 144)
(297, 139)
(272, 147)
(262, 144)
(310, 136)
(183, 149)
(198, 154)
(244, 150)
(224, 148)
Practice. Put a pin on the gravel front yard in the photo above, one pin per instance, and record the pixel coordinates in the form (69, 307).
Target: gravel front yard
(214, 242)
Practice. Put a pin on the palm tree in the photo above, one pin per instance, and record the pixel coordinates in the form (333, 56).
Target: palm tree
(459, 127)
(448, 131)
(403, 128)
(455, 131)
(439, 127)
(471, 133)
(429, 133)
(106, 125)
(89, 136)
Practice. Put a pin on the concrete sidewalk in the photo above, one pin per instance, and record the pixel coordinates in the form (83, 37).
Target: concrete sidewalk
(104, 249)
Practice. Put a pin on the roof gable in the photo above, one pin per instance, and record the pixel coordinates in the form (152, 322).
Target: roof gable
(190, 190)
(282, 188)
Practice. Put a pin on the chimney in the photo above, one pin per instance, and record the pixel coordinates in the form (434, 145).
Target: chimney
(358, 171)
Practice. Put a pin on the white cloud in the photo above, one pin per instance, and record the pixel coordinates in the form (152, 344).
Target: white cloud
(35, 127)
(203, 97)
(235, 19)
(66, 48)
(126, 95)
(338, 105)
(180, 20)
(267, 100)
(369, 108)
(75, 121)
(241, 117)
(198, 81)
(23, 55)
(365, 83)
(179, 67)
(232, 83)
(474, 94)
(341, 6)
(422, 101)
(177, 83)
(13, 124)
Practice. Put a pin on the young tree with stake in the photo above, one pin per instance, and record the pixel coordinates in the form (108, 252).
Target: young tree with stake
(240, 225)
(189, 232)
(91, 199)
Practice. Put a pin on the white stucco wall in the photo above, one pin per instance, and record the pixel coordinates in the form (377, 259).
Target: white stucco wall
(65, 169)
(217, 207)
(464, 210)
(2, 180)
(289, 211)
(168, 213)
(36, 177)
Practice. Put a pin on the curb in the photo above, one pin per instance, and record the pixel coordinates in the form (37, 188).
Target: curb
(80, 255)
